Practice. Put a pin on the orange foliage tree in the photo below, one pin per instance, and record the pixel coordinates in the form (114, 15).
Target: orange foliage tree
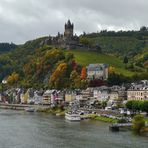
(13, 78)
(83, 73)
(58, 75)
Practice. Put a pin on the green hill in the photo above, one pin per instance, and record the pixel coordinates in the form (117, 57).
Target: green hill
(129, 43)
(119, 45)
(141, 59)
(86, 57)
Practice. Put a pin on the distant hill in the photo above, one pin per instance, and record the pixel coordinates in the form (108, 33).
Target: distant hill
(6, 47)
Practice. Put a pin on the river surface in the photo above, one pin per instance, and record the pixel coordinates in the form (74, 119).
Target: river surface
(20, 129)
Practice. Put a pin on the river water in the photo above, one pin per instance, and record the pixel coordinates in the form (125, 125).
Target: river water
(20, 129)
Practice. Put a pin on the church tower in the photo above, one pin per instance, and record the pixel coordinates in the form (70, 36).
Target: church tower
(68, 30)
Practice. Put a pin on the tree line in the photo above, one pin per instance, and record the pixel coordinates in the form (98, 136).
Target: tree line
(143, 31)
(137, 106)
(5, 47)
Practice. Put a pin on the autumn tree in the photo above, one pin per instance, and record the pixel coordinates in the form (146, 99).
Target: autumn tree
(83, 73)
(57, 78)
(13, 78)
(111, 70)
(41, 66)
(75, 79)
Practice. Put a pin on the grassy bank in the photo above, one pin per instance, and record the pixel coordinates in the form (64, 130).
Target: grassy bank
(146, 119)
(104, 119)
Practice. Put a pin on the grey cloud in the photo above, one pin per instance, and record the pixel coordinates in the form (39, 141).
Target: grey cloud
(22, 20)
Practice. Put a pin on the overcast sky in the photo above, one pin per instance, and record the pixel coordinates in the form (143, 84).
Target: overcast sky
(22, 20)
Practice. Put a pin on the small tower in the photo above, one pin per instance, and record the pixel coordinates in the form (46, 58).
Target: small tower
(68, 30)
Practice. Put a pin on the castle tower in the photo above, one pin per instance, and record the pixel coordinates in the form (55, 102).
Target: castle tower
(68, 30)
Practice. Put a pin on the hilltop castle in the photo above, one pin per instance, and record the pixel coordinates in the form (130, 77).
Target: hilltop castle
(68, 30)
(67, 40)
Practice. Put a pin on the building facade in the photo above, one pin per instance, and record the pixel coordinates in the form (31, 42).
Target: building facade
(97, 71)
(137, 93)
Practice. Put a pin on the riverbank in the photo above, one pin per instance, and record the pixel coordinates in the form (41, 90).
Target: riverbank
(56, 111)
(23, 106)
(100, 118)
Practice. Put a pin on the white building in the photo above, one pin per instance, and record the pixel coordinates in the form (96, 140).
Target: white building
(47, 97)
(101, 93)
(38, 99)
(137, 93)
(97, 71)
(113, 96)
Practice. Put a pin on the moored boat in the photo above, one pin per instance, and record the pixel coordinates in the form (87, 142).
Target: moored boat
(30, 109)
(72, 116)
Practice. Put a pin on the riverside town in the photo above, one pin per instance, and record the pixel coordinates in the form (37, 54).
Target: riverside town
(73, 74)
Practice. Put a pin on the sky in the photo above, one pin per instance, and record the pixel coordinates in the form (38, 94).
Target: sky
(23, 20)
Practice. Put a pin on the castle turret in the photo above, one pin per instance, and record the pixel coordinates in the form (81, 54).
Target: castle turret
(68, 30)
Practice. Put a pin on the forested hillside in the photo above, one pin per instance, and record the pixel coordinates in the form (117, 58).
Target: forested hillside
(35, 62)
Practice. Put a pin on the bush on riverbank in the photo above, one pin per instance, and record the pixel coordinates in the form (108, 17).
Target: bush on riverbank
(56, 111)
(138, 124)
(146, 120)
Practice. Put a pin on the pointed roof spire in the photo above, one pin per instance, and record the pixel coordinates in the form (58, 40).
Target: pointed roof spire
(69, 23)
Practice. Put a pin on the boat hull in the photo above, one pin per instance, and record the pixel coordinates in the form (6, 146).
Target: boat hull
(72, 117)
(30, 110)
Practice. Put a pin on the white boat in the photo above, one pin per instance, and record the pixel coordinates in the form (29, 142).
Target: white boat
(30, 109)
(72, 116)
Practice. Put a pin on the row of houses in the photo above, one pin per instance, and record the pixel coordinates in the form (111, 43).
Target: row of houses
(136, 91)
(31, 96)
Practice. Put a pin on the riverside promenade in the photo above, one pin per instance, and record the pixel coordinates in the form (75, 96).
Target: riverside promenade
(22, 106)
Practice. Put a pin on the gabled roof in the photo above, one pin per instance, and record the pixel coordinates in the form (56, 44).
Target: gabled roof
(93, 67)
